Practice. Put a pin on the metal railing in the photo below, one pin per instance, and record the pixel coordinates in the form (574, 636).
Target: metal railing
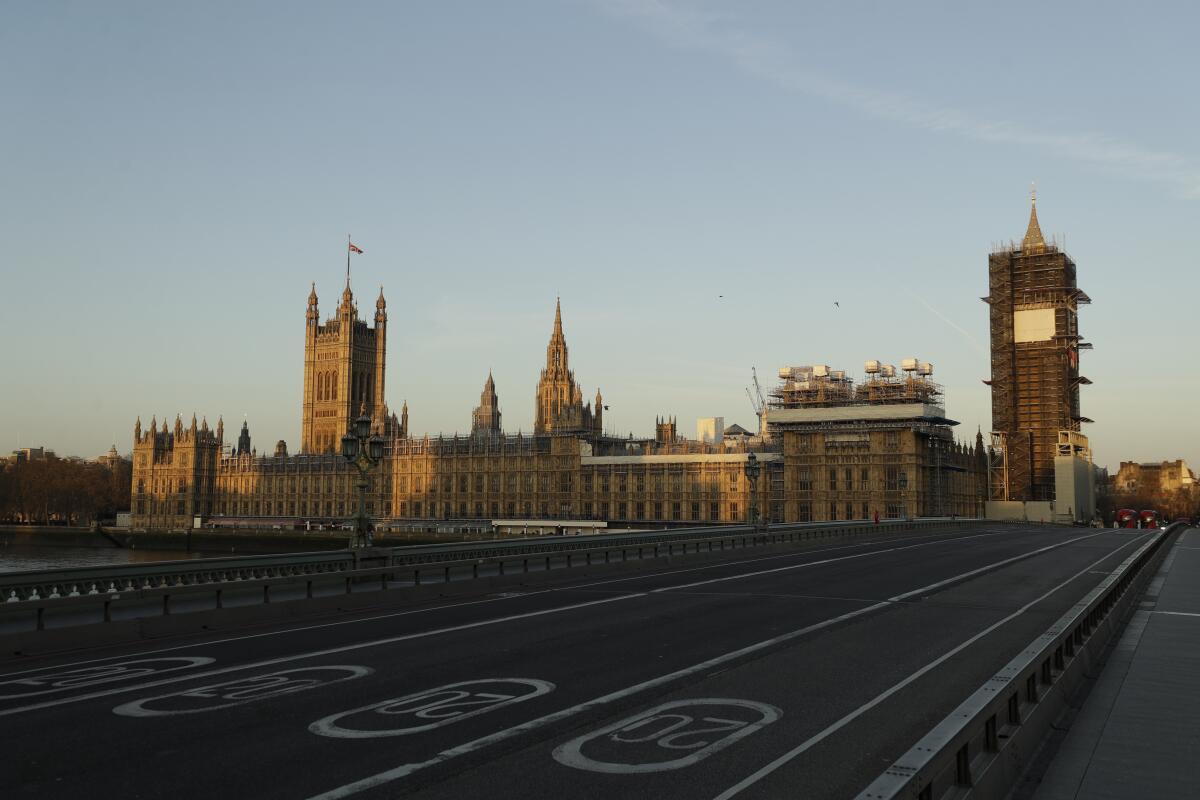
(100, 589)
(982, 748)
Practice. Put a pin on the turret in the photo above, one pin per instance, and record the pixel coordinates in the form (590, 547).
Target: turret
(243, 445)
(220, 430)
(311, 316)
(137, 430)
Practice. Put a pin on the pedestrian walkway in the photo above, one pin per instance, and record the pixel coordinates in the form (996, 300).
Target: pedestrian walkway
(1138, 733)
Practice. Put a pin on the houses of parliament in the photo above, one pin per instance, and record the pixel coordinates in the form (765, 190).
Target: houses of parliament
(568, 468)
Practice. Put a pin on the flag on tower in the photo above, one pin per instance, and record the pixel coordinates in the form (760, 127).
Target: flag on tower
(355, 248)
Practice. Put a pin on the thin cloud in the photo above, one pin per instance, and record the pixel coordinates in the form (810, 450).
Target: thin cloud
(719, 34)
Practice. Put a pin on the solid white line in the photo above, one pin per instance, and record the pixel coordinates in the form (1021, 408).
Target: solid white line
(865, 707)
(314, 654)
(453, 628)
(1177, 613)
(478, 744)
(955, 579)
(358, 620)
(404, 770)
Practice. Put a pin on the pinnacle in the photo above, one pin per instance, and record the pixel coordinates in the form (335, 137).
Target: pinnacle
(1033, 233)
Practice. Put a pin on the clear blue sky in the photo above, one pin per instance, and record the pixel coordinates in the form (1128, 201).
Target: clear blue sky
(174, 176)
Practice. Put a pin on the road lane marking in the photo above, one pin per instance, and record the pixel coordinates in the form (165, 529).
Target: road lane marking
(513, 617)
(882, 696)
(315, 654)
(664, 573)
(669, 729)
(441, 706)
(242, 690)
(932, 538)
(1177, 613)
(403, 770)
(58, 679)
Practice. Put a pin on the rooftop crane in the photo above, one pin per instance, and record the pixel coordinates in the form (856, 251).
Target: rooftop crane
(757, 401)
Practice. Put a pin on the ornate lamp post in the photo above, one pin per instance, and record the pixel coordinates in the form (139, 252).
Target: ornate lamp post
(753, 468)
(364, 451)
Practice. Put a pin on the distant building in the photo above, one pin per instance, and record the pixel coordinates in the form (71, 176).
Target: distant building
(710, 429)
(486, 419)
(883, 446)
(31, 454)
(1153, 478)
(566, 470)
(112, 459)
(1035, 344)
(560, 407)
(874, 454)
(344, 361)
(736, 433)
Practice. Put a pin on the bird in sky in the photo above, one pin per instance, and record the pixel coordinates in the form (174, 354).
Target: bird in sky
(836, 303)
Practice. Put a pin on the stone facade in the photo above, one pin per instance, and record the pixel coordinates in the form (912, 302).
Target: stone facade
(567, 470)
(560, 406)
(344, 361)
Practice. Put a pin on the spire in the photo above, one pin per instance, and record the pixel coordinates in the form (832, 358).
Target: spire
(558, 317)
(137, 429)
(381, 304)
(1033, 234)
(312, 295)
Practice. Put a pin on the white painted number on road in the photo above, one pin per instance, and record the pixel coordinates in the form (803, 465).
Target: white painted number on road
(670, 736)
(61, 680)
(238, 692)
(430, 709)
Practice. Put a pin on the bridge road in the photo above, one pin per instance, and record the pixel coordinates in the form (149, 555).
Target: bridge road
(684, 682)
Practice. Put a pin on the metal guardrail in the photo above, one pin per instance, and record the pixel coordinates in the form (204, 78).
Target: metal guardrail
(100, 588)
(982, 748)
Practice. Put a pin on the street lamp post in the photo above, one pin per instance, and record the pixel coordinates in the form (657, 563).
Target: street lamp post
(753, 468)
(364, 451)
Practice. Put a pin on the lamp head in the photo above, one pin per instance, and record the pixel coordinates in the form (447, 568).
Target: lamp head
(362, 427)
(349, 447)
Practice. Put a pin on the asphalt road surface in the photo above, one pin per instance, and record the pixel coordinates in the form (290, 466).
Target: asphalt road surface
(797, 673)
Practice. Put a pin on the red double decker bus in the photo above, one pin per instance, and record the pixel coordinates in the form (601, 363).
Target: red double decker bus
(1126, 518)
(1149, 519)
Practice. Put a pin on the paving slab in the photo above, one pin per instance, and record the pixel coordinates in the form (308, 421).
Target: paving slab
(1138, 733)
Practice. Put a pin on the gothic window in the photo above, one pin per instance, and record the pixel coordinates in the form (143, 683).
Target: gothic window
(334, 386)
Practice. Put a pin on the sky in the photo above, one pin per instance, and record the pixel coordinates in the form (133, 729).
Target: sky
(708, 186)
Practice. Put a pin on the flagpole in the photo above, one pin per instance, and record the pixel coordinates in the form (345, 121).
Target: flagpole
(347, 259)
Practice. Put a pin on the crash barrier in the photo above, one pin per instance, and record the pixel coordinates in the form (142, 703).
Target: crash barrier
(984, 746)
(152, 588)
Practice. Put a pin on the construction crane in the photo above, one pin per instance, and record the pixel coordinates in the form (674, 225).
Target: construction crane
(757, 401)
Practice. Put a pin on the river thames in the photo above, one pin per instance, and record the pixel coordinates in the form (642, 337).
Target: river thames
(20, 558)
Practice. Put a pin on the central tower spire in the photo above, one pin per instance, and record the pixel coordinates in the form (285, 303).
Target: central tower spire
(1033, 241)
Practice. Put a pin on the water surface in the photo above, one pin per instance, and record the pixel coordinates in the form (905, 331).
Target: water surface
(21, 558)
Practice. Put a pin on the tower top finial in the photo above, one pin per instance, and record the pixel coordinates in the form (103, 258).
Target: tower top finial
(1033, 240)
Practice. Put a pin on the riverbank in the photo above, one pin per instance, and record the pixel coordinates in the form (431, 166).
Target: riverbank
(197, 541)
